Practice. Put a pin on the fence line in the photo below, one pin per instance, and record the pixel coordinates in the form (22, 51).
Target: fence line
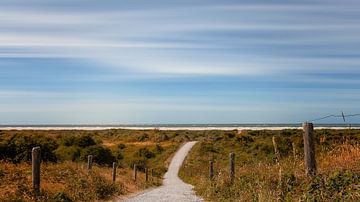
(36, 162)
(309, 153)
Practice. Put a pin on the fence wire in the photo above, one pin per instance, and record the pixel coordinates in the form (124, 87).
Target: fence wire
(343, 116)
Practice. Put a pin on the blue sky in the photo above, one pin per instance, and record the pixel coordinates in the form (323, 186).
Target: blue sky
(189, 61)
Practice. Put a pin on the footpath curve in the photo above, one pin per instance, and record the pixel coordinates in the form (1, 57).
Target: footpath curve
(173, 188)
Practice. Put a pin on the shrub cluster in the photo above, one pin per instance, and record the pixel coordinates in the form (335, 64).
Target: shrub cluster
(76, 148)
(143, 155)
(17, 148)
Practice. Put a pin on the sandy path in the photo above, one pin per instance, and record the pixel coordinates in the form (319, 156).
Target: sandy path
(173, 189)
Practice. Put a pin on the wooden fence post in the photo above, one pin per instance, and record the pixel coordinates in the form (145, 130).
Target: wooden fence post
(294, 149)
(135, 172)
(211, 170)
(309, 149)
(277, 153)
(114, 172)
(36, 160)
(232, 165)
(89, 165)
(146, 174)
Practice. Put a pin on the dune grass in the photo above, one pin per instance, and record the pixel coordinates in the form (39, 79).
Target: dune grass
(259, 177)
(64, 176)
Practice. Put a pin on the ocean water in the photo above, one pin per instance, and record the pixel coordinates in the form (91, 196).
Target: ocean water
(178, 126)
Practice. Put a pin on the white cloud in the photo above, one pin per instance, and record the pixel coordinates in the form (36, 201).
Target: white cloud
(166, 41)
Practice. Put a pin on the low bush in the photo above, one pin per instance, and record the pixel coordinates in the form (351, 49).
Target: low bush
(71, 153)
(101, 155)
(75, 140)
(145, 153)
(85, 141)
(18, 148)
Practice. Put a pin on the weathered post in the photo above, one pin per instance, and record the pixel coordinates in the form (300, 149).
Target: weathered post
(277, 154)
(146, 174)
(232, 165)
(309, 149)
(114, 172)
(294, 149)
(211, 170)
(152, 172)
(89, 165)
(36, 160)
(135, 172)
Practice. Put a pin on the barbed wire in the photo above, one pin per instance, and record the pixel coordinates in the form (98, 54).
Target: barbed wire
(335, 116)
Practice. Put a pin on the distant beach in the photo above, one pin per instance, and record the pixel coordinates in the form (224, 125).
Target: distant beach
(178, 127)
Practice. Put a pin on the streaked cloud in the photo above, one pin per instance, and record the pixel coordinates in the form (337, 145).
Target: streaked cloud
(97, 34)
(73, 51)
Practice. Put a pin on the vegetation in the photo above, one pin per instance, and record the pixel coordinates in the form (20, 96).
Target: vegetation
(64, 176)
(260, 177)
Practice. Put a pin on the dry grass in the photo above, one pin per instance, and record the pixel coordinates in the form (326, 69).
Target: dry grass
(260, 178)
(345, 156)
(68, 179)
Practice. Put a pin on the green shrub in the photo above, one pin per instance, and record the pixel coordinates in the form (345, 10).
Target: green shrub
(81, 141)
(207, 147)
(101, 155)
(71, 153)
(18, 148)
(85, 141)
(103, 189)
(68, 140)
(145, 153)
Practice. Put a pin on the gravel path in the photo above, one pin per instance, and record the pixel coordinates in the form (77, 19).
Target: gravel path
(173, 188)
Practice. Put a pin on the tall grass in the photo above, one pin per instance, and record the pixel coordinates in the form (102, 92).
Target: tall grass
(259, 177)
(64, 176)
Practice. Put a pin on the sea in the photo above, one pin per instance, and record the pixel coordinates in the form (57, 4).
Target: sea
(179, 126)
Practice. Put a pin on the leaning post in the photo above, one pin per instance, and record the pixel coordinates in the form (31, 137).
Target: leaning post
(36, 160)
(309, 149)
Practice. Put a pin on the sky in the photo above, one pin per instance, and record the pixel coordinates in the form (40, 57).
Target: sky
(188, 61)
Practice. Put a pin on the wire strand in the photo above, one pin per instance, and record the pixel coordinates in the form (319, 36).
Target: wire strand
(335, 116)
